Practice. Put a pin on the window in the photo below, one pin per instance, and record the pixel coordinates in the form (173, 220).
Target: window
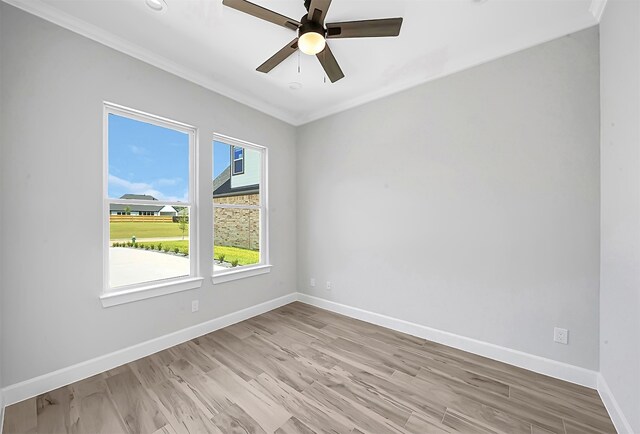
(240, 246)
(149, 206)
(237, 155)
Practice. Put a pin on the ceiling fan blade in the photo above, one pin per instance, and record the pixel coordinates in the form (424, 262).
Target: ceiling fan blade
(262, 13)
(365, 29)
(318, 10)
(277, 58)
(330, 64)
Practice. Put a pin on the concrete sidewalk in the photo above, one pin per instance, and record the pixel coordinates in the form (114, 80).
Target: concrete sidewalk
(148, 240)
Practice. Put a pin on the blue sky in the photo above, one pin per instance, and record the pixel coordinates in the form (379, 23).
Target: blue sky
(148, 159)
(221, 157)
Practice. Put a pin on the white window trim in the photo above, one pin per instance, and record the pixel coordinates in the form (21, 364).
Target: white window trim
(264, 266)
(126, 294)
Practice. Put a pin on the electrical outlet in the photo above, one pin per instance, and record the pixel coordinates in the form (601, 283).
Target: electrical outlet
(312, 282)
(328, 286)
(195, 306)
(561, 336)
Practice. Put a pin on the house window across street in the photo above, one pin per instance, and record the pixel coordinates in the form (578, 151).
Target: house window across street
(237, 156)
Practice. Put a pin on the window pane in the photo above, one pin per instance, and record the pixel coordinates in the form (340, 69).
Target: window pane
(147, 248)
(236, 237)
(238, 167)
(242, 185)
(147, 162)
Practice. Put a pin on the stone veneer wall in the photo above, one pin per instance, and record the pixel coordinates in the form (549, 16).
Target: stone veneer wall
(237, 227)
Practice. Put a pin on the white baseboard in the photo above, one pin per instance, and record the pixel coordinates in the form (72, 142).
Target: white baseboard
(1, 410)
(542, 365)
(44, 383)
(617, 417)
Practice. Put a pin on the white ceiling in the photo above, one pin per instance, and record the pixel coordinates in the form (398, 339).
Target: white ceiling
(220, 48)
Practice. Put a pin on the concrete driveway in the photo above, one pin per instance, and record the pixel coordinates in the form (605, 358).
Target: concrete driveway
(131, 266)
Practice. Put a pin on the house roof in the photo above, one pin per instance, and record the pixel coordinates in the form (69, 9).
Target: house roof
(134, 207)
(222, 186)
(137, 196)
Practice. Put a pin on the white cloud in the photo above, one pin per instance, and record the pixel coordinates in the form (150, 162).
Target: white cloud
(167, 181)
(138, 150)
(134, 187)
(144, 188)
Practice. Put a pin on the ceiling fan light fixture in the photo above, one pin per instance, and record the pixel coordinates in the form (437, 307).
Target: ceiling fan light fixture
(311, 43)
(156, 5)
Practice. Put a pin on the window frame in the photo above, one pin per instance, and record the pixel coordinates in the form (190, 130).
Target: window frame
(264, 266)
(125, 294)
(233, 161)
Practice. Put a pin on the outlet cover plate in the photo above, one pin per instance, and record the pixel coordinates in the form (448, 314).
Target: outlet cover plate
(561, 336)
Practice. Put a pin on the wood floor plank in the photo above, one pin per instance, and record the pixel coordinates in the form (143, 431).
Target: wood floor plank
(300, 369)
(149, 371)
(53, 410)
(240, 330)
(420, 423)
(236, 421)
(138, 411)
(402, 401)
(466, 408)
(522, 411)
(259, 406)
(91, 408)
(294, 426)
(21, 417)
(226, 357)
(359, 415)
(559, 407)
(194, 354)
(167, 429)
(461, 424)
(311, 413)
(182, 407)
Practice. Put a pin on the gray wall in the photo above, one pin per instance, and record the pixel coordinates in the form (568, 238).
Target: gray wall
(53, 85)
(620, 239)
(469, 204)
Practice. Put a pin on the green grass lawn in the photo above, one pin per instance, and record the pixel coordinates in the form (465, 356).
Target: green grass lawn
(125, 230)
(244, 256)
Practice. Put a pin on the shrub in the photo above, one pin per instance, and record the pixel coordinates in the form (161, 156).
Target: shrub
(234, 263)
(176, 250)
(221, 257)
(159, 247)
(166, 250)
(147, 247)
(185, 252)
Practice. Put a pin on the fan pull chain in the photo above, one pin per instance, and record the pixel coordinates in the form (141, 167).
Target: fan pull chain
(298, 61)
(324, 79)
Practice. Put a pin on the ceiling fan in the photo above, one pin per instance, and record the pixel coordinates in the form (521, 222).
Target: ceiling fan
(312, 32)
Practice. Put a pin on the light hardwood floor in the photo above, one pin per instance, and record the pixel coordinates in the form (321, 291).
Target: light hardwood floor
(299, 369)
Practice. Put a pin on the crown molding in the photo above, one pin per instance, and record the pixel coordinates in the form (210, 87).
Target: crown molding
(69, 22)
(597, 8)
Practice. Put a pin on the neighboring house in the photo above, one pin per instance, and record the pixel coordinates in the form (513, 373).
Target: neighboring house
(237, 227)
(120, 209)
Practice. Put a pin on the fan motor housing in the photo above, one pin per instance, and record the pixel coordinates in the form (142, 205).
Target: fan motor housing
(310, 26)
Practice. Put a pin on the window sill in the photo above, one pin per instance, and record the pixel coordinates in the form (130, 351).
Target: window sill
(115, 298)
(228, 276)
